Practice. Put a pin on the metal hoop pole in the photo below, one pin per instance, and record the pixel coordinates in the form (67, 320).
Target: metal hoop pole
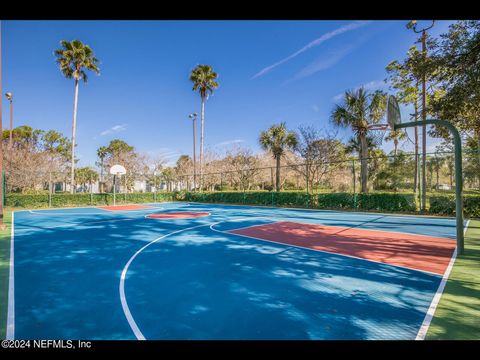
(458, 173)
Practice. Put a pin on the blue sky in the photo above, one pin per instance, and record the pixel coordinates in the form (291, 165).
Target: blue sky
(269, 71)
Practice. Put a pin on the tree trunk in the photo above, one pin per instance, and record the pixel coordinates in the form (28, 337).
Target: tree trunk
(395, 147)
(202, 126)
(363, 162)
(74, 128)
(415, 181)
(277, 182)
(478, 153)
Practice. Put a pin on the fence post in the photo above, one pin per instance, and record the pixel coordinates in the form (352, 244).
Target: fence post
(306, 179)
(155, 187)
(49, 189)
(125, 192)
(271, 176)
(354, 185)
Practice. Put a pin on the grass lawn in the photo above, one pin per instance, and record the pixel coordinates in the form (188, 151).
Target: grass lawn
(458, 313)
(4, 270)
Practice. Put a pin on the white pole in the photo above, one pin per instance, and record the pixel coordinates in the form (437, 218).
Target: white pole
(114, 193)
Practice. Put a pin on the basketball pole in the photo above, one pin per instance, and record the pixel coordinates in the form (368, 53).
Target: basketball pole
(458, 172)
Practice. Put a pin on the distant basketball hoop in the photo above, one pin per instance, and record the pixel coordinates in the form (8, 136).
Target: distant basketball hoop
(116, 170)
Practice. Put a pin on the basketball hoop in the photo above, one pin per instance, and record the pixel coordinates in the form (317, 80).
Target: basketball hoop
(116, 170)
(377, 131)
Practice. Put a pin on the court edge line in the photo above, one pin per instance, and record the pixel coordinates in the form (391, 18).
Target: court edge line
(126, 310)
(359, 226)
(146, 216)
(88, 207)
(30, 228)
(422, 332)
(321, 251)
(96, 213)
(432, 217)
(11, 288)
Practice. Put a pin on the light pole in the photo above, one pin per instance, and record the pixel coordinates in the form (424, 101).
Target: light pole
(2, 226)
(193, 116)
(413, 25)
(9, 97)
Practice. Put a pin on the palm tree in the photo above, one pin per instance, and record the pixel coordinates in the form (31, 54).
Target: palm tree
(102, 152)
(278, 139)
(396, 136)
(204, 81)
(74, 58)
(358, 110)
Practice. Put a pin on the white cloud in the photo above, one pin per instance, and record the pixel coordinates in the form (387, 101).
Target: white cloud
(315, 108)
(351, 26)
(372, 85)
(114, 129)
(324, 62)
(230, 142)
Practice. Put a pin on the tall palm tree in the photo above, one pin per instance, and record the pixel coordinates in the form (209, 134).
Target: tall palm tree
(396, 136)
(358, 110)
(102, 152)
(204, 81)
(278, 139)
(73, 58)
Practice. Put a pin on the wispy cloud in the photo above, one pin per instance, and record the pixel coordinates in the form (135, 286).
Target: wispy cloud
(324, 62)
(327, 36)
(315, 108)
(372, 85)
(114, 129)
(230, 142)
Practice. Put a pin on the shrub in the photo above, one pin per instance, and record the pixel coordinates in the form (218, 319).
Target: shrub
(386, 202)
(83, 199)
(445, 205)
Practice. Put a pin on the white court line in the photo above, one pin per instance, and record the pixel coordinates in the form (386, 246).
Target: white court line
(316, 250)
(74, 224)
(346, 228)
(88, 207)
(422, 333)
(121, 288)
(177, 212)
(97, 213)
(390, 215)
(11, 288)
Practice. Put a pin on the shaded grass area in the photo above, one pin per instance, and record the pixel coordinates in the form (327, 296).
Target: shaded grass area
(458, 314)
(4, 270)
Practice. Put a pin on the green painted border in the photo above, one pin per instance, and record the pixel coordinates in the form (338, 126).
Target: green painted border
(458, 314)
(5, 236)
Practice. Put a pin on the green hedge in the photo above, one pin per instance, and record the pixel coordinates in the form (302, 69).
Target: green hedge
(445, 205)
(374, 201)
(386, 202)
(63, 200)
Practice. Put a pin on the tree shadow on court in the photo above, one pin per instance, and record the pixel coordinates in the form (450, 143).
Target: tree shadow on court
(200, 284)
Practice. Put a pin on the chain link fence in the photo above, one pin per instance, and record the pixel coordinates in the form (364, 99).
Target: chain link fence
(397, 174)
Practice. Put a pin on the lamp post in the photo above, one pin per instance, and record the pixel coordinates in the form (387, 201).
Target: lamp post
(193, 116)
(9, 97)
(413, 25)
(2, 226)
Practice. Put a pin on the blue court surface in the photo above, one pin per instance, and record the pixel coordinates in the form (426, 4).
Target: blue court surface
(88, 273)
